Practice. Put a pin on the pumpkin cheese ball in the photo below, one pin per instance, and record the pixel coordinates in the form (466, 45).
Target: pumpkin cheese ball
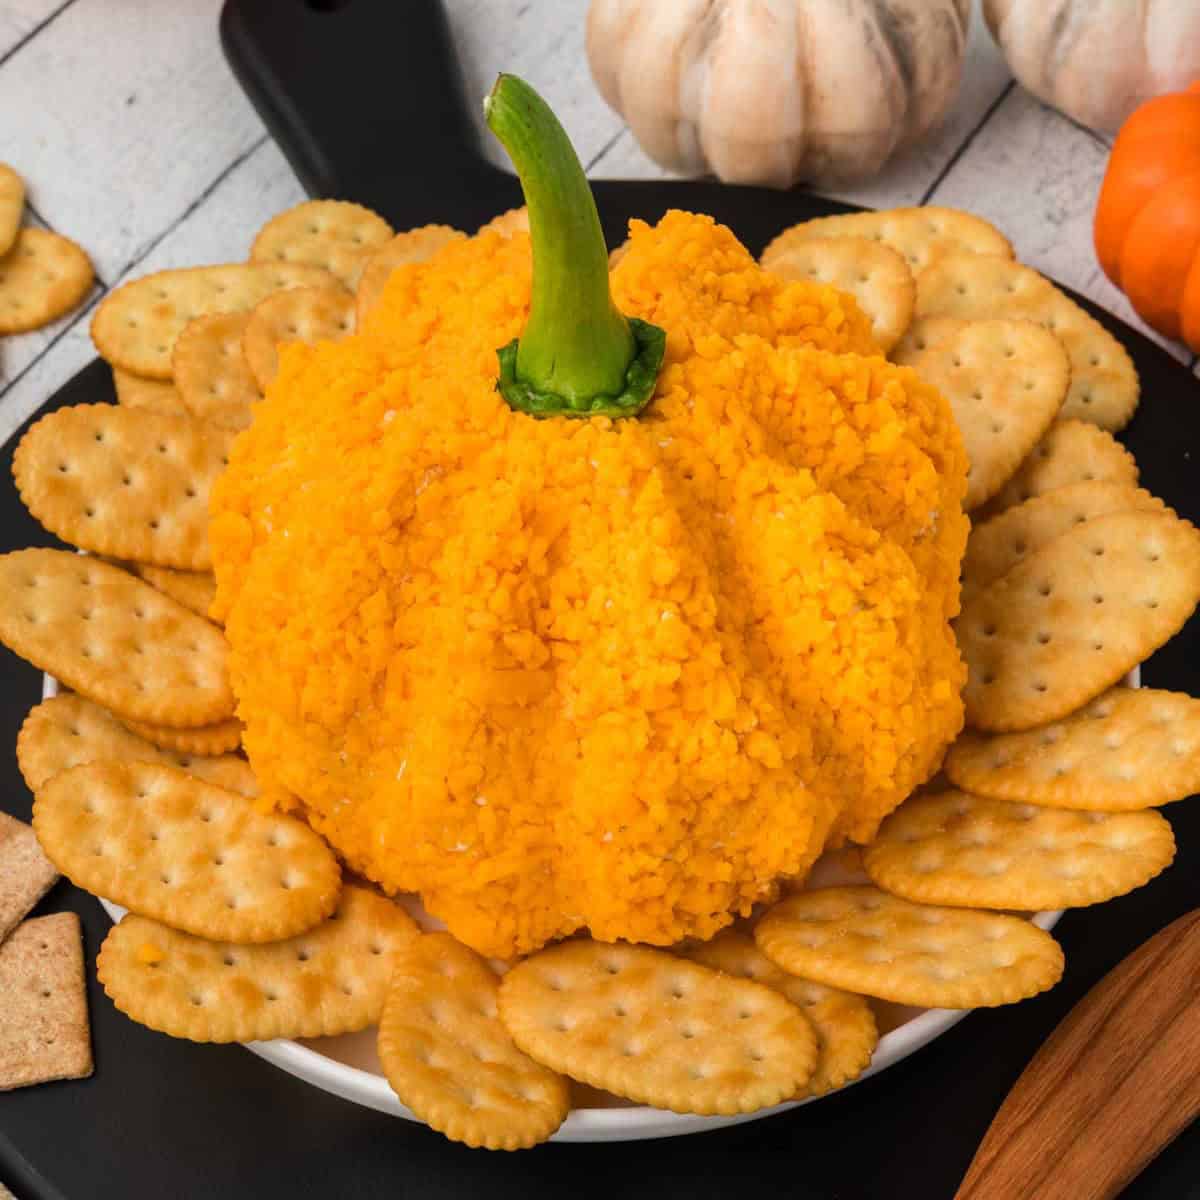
(619, 644)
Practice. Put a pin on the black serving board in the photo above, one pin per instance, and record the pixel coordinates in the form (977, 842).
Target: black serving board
(363, 96)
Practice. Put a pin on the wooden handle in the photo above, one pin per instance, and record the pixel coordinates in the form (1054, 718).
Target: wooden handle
(1115, 1082)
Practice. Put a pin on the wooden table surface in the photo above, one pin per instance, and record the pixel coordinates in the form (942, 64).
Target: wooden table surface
(136, 141)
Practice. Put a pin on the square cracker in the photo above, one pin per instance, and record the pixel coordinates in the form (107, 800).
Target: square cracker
(44, 1031)
(26, 874)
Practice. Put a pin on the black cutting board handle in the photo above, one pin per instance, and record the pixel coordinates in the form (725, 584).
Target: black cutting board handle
(352, 93)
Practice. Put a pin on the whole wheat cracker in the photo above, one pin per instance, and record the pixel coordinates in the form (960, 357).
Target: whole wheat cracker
(26, 874)
(44, 1029)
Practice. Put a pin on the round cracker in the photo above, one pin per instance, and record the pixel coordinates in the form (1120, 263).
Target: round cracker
(201, 859)
(843, 1022)
(412, 246)
(1128, 749)
(327, 981)
(656, 1029)
(1005, 382)
(212, 375)
(158, 395)
(874, 274)
(12, 205)
(68, 730)
(335, 235)
(449, 1058)
(865, 940)
(43, 276)
(971, 851)
(308, 315)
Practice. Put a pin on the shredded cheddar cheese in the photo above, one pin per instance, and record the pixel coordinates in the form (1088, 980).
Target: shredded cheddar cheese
(582, 673)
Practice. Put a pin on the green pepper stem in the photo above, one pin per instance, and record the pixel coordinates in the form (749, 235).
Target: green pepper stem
(577, 354)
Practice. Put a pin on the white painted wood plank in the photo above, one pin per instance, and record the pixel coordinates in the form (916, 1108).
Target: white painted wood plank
(219, 229)
(543, 42)
(19, 18)
(1036, 176)
(119, 113)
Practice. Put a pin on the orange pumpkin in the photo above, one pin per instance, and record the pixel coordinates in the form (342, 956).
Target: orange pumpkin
(1147, 228)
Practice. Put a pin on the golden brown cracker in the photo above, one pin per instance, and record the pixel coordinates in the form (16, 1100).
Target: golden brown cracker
(865, 940)
(196, 857)
(68, 730)
(26, 874)
(922, 334)
(42, 277)
(972, 851)
(996, 546)
(105, 633)
(1130, 748)
(137, 324)
(874, 274)
(302, 315)
(449, 1058)
(205, 741)
(12, 206)
(158, 395)
(651, 1027)
(411, 246)
(1005, 382)
(123, 482)
(334, 235)
(195, 590)
(1070, 452)
(1104, 383)
(330, 980)
(1075, 617)
(922, 235)
(843, 1022)
(44, 1031)
(214, 380)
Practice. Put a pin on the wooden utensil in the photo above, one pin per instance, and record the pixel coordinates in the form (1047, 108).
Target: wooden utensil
(1115, 1082)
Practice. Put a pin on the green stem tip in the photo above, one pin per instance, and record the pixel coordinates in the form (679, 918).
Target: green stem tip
(578, 356)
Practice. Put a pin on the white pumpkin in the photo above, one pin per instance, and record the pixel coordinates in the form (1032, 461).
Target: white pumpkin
(773, 91)
(1097, 60)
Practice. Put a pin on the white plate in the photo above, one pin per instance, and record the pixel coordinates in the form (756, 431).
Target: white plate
(348, 1066)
